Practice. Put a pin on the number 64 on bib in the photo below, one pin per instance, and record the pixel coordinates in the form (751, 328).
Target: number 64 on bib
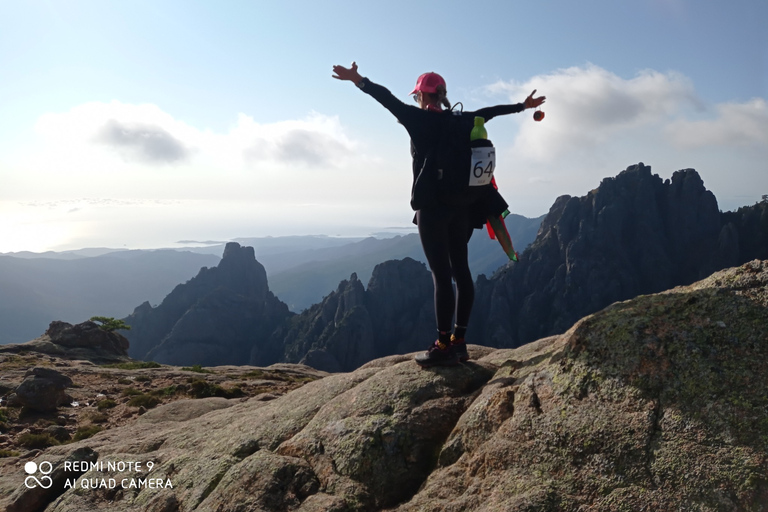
(483, 164)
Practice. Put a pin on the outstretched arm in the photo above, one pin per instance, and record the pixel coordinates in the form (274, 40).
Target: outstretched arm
(404, 113)
(351, 74)
(500, 110)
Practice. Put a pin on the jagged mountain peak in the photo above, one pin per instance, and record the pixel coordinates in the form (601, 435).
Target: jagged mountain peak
(217, 317)
(634, 234)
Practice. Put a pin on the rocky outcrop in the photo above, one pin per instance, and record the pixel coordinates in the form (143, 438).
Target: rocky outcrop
(87, 335)
(657, 403)
(635, 234)
(216, 318)
(353, 325)
(42, 390)
(85, 341)
(47, 400)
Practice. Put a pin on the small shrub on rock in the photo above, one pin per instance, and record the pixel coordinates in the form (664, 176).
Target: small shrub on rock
(204, 389)
(107, 403)
(37, 441)
(86, 432)
(146, 401)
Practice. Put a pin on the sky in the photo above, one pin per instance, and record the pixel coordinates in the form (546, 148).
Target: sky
(143, 124)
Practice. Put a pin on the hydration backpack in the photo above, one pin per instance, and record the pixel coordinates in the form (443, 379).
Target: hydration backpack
(464, 168)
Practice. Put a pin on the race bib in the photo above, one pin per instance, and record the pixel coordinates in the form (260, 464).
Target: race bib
(483, 164)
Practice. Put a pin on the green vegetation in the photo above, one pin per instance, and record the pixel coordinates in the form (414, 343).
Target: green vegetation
(131, 392)
(270, 375)
(146, 401)
(107, 403)
(86, 432)
(167, 391)
(37, 441)
(109, 324)
(257, 374)
(8, 453)
(98, 417)
(203, 389)
(4, 415)
(133, 365)
(196, 368)
(22, 360)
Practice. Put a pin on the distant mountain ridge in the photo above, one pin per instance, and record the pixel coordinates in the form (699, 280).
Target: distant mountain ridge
(635, 234)
(303, 285)
(72, 286)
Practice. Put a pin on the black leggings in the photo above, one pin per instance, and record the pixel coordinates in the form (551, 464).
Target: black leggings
(445, 234)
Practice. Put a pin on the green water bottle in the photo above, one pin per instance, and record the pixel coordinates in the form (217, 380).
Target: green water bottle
(478, 131)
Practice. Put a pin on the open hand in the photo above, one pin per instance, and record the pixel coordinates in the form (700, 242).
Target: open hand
(531, 102)
(351, 74)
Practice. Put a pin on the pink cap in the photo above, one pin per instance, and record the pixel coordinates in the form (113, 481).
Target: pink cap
(428, 82)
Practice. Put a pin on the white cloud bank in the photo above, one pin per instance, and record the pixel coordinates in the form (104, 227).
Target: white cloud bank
(139, 151)
(598, 123)
(145, 135)
(134, 175)
(735, 125)
(587, 107)
(143, 143)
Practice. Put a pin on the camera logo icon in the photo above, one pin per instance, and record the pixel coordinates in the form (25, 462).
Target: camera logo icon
(31, 468)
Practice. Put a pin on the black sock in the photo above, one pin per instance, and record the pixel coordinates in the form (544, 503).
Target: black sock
(460, 332)
(444, 337)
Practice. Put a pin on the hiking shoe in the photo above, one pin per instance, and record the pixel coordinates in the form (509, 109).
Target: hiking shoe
(459, 346)
(436, 356)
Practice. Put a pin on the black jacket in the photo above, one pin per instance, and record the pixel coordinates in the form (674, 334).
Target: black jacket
(425, 128)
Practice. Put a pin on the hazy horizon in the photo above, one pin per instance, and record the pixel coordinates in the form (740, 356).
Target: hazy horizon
(183, 244)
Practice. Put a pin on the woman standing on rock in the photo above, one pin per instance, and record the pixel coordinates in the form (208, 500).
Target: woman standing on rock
(444, 229)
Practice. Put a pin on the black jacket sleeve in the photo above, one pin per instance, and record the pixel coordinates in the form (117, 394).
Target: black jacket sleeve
(386, 98)
(489, 113)
(422, 125)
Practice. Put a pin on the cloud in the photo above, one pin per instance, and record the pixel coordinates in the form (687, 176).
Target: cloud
(598, 123)
(317, 141)
(119, 146)
(310, 147)
(736, 124)
(143, 143)
(97, 138)
(89, 136)
(587, 106)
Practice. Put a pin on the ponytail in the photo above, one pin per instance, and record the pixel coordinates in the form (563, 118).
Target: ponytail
(442, 97)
